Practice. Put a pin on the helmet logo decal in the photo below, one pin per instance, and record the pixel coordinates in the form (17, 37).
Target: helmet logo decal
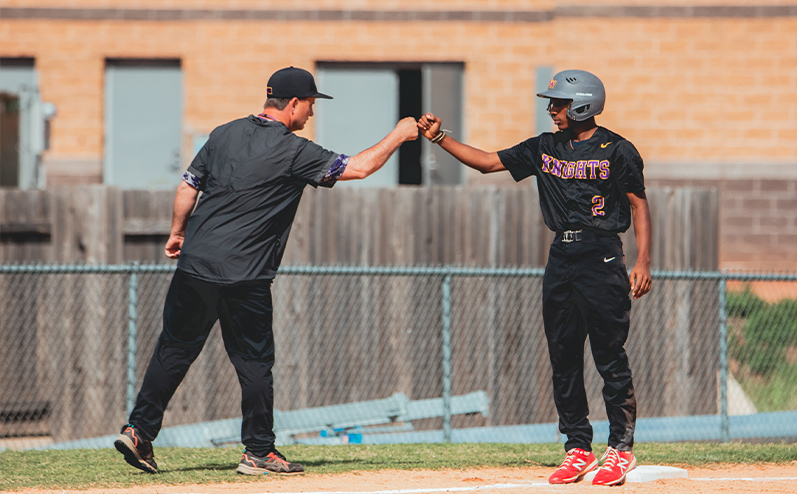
(552, 84)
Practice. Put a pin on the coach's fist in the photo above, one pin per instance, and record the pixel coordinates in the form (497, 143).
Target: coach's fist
(408, 128)
(429, 125)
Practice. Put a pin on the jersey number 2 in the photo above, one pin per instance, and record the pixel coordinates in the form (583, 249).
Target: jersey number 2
(597, 206)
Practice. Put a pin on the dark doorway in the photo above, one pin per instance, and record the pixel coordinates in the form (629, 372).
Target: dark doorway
(410, 101)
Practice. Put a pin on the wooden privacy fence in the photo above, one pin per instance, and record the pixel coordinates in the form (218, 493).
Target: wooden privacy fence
(69, 333)
(471, 226)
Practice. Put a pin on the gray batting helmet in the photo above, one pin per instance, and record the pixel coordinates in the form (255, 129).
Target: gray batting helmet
(584, 89)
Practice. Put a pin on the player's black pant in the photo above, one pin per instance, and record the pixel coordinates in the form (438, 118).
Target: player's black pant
(192, 307)
(585, 293)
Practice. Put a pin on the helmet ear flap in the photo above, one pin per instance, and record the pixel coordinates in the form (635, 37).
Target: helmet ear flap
(577, 114)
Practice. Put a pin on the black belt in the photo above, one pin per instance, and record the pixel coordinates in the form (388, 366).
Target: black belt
(568, 236)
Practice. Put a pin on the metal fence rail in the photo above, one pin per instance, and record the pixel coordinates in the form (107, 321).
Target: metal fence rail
(393, 354)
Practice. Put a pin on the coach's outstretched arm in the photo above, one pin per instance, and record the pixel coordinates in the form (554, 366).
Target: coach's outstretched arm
(372, 159)
(473, 157)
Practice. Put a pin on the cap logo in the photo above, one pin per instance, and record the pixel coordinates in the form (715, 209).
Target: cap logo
(269, 91)
(552, 84)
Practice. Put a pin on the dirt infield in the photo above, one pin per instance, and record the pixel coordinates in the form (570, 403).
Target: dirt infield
(742, 479)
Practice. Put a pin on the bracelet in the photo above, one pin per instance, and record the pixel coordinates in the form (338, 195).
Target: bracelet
(439, 137)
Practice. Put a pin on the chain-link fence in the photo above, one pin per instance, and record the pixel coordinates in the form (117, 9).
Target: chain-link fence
(370, 354)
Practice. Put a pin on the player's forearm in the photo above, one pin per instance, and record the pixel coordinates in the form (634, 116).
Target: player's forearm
(372, 159)
(184, 202)
(473, 157)
(642, 230)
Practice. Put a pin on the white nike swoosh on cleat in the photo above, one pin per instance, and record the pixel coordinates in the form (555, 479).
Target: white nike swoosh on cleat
(609, 259)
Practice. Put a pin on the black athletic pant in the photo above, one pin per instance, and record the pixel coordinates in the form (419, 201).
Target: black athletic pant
(192, 307)
(586, 293)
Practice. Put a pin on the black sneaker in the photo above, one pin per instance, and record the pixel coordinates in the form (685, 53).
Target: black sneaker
(273, 462)
(137, 451)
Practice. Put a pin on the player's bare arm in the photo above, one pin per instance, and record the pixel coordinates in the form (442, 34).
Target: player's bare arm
(183, 206)
(473, 157)
(372, 159)
(640, 276)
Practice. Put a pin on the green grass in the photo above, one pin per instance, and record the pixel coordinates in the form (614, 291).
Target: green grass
(763, 349)
(771, 393)
(84, 469)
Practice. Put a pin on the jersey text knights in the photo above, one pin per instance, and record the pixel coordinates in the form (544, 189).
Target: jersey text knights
(581, 184)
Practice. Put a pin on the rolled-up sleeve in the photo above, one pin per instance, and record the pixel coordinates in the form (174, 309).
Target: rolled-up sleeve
(335, 171)
(192, 180)
(314, 164)
(197, 172)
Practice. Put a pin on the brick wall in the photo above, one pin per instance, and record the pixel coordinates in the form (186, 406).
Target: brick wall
(758, 224)
(691, 84)
(460, 5)
(454, 5)
(683, 84)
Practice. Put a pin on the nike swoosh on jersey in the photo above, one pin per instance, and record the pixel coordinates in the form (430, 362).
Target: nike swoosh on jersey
(603, 146)
(608, 260)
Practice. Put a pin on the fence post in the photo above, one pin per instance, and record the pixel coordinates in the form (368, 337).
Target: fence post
(132, 329)
(447, 357)
(723, 319)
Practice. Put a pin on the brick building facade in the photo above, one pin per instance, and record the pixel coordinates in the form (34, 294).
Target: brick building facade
(706, 90)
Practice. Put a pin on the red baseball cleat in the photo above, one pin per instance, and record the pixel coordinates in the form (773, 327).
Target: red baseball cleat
(616, 466)
(577, 464)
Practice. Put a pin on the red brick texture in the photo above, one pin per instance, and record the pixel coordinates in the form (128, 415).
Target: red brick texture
(758, 224)
(688, 82)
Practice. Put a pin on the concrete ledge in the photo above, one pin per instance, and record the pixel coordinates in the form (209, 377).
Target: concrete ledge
(720, 171)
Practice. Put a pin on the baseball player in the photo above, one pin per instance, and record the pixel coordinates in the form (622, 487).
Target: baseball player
(251, 172)
(591, 186)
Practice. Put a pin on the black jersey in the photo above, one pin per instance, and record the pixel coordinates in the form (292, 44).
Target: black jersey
(252, 173)
(583, 186)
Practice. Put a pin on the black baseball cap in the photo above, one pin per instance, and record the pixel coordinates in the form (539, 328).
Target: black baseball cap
(293, 82)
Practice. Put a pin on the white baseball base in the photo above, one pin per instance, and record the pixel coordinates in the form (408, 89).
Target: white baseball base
(647, 473)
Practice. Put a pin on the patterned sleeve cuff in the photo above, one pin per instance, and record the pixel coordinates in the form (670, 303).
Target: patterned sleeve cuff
(335, 171)
(191, 180)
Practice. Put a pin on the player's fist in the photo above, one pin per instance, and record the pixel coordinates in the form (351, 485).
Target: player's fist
(408, 128)
(429, 125)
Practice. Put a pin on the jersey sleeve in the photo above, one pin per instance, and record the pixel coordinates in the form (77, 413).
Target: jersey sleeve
(631, 169)
(317, 166)
(520, 159)
(197, 173)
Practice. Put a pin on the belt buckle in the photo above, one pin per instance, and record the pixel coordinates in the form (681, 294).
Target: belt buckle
(571, 236)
